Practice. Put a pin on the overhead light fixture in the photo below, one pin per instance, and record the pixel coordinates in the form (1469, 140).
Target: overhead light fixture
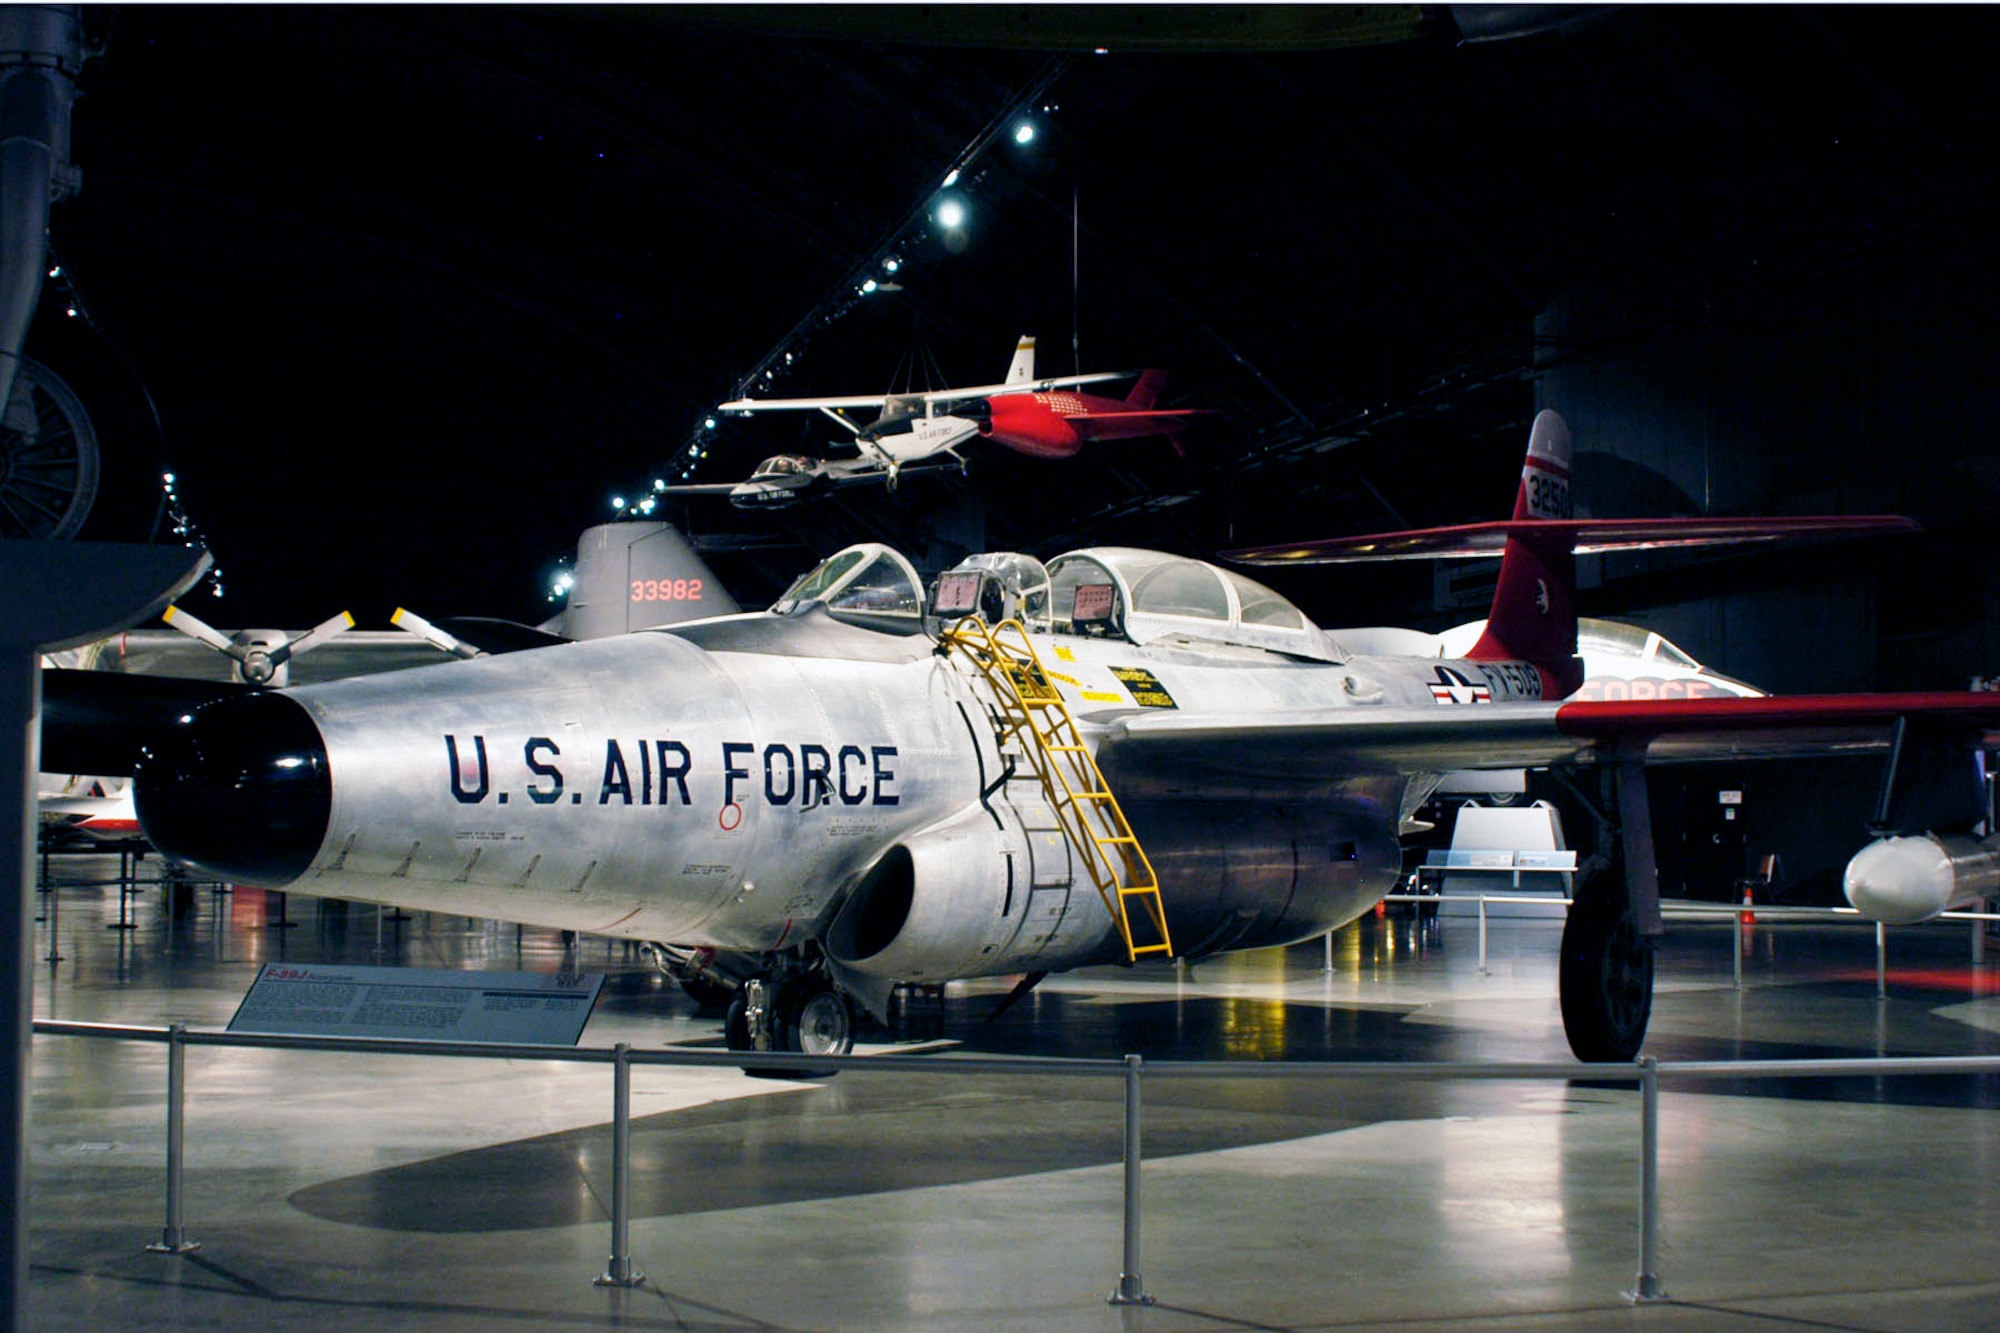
(950, 178)
(1024, 133)
(951, 214)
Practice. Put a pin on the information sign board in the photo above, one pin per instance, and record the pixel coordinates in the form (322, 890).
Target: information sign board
(333, 1000)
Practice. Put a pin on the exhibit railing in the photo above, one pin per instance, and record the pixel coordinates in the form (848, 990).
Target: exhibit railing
(1683, 910)
(620, 1271)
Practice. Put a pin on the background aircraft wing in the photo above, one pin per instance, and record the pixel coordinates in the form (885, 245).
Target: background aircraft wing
(862, 472)
(701, 488)
(1027, 386)
(1588, 536)
(1165, 750)
(805, 404)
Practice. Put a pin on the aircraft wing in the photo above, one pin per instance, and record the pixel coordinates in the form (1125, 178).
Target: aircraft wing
(1588, 536)
(701, 488)
(861, 472)
(805, 404)
(878, 400)
(1172, 750)
(1034, 386)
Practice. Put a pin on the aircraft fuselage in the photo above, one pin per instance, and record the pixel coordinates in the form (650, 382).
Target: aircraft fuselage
(738, 783)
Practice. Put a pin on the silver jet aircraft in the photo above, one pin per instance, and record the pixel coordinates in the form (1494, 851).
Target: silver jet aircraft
(1120, 757)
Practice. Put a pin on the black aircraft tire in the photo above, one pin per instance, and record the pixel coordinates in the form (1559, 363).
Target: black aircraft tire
(1606, 973)
(736, 1027)
(815, 1019)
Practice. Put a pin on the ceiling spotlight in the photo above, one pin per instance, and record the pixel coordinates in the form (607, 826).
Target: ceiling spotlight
(950, 178)
(617, 502)
(868, 286)
(891, 264)
(1024, 132)
(951, 213)
(708, 423)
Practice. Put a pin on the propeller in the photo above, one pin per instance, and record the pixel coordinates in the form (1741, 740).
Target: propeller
(261, 656)
(412, 623)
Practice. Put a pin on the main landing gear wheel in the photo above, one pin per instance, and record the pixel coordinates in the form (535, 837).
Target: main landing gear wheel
(815, 1019)
(1606, 973)
(804, 1015)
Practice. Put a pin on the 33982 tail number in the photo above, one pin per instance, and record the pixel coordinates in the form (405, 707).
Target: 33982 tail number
(666, 590)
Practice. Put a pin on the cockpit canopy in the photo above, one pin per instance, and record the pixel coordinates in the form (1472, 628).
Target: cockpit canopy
(870, 585)
(782, 465)
(996, 586)
(1155, 596)
(1104, 592)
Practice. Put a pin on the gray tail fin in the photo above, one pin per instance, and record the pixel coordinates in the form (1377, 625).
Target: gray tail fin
(634, 576)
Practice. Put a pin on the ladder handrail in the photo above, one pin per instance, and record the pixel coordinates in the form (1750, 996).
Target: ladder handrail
(1014, 672)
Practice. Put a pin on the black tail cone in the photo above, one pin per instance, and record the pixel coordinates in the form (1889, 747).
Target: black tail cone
(240, 789)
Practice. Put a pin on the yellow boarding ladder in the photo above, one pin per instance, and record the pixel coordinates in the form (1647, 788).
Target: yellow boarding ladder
(1033, 711)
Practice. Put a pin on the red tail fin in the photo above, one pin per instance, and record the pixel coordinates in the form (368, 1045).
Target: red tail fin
(1534, 607)
(1147, 391)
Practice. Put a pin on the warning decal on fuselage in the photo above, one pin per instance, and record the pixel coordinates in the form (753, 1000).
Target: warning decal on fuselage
(1144, 687)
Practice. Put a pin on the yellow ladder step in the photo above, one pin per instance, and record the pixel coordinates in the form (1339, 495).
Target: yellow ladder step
(1028, 705)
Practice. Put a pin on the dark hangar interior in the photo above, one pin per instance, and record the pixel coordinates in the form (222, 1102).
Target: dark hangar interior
(403, 296)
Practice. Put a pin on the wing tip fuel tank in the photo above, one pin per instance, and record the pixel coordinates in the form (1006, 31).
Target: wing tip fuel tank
(1901, 881)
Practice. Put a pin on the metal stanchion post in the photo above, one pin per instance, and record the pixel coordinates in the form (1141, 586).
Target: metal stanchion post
(619, 1272)
(1131, 1288)
(51, 912)
(1647, 1287)
(173, 1239)
(1328, 966)
(1881, 963)
(1482, 935)
(1736, 952)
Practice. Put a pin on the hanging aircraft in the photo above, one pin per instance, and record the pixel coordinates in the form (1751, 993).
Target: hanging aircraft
(1055, 423)
(786, 479)
(1043, 418)
(1148, 757)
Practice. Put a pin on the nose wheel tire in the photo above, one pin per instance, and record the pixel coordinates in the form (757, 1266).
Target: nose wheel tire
(1606, 973)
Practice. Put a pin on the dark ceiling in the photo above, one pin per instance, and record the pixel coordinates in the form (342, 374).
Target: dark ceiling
(415, 291)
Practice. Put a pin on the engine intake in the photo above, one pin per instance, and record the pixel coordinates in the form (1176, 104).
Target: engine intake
(966, 897)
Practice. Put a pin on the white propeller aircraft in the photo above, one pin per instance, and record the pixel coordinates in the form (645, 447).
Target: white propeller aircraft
(908, 427)
(1120, 757)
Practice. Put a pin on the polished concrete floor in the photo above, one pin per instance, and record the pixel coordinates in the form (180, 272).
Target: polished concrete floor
(393, 1193)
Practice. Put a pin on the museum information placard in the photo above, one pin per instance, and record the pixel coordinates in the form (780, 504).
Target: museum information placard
(332, 1000)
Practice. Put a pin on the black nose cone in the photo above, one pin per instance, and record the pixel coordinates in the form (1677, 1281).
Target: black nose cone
(241, 788)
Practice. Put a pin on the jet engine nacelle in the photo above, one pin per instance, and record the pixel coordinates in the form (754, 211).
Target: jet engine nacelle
(1900, 881)
(966, 897)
